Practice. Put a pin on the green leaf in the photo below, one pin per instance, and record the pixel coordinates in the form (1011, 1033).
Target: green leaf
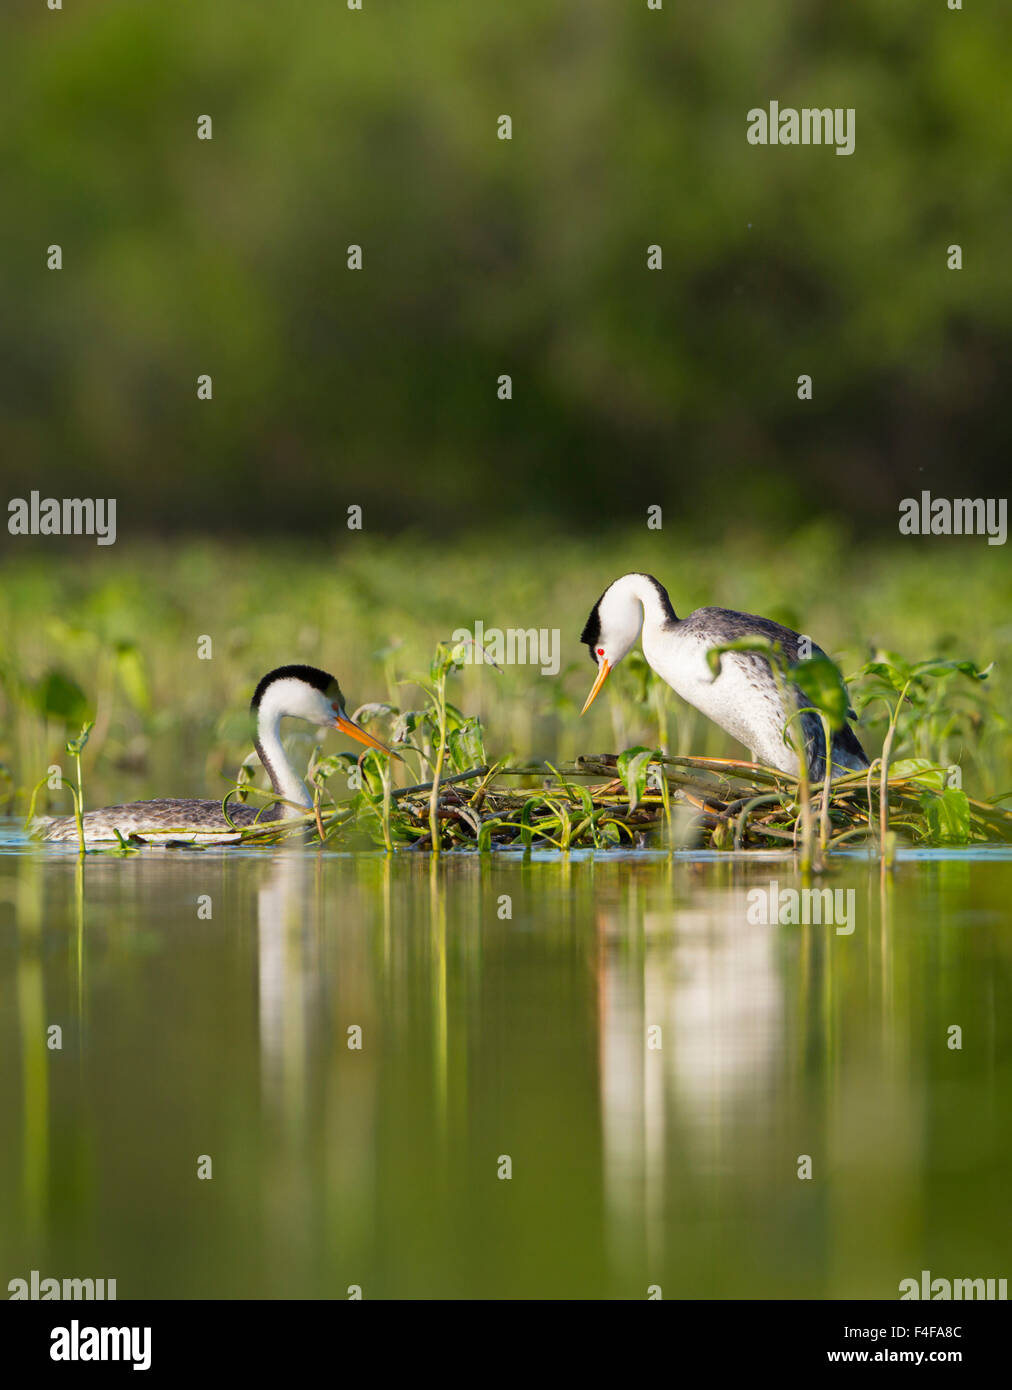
(526, 829)
(948, 816)
(632, 767)
(565, 824)
(371, 764)
(249, 769)
(889, 667)
(485, 833)
(923, 770)
(447, 658)
(948, 668)
(76, 746)
(822, 684)
(335, 762)
(466, 746)
(454, 716)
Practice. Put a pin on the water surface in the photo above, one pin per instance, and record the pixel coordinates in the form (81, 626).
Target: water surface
(651, 1064)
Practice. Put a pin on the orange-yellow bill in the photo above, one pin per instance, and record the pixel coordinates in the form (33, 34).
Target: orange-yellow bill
(353, 730)
(602, 676)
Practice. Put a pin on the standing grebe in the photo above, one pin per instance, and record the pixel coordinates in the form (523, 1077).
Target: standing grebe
(743, 699)
(298, 692)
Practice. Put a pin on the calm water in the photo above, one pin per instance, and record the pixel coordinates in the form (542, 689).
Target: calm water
(484, 1037)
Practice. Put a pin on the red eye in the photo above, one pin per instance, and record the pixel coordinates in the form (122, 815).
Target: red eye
(600, 651)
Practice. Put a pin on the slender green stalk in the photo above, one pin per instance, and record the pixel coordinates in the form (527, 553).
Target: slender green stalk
(387, 780)
(437, 770)
(827, 782)
(75, 747)
(883, 792)
(666, 803)
(805, 800)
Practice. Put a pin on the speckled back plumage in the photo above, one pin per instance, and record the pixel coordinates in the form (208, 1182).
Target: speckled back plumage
(159, 817)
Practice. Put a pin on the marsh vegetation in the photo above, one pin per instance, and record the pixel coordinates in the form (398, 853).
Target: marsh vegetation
(155, 673)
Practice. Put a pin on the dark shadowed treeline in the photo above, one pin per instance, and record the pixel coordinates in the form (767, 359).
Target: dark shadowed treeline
(484, 257)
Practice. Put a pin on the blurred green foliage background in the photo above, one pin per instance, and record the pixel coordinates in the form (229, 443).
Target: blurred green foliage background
(482, 257)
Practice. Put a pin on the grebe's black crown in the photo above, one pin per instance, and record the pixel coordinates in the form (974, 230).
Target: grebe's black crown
(591, 633)
(312, 675)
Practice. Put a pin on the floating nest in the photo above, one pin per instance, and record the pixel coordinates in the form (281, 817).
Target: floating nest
(643, 800)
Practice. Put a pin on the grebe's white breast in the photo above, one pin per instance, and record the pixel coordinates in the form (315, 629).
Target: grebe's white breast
(743, 699)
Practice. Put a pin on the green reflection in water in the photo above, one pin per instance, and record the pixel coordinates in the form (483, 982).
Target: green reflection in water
(652, 1064)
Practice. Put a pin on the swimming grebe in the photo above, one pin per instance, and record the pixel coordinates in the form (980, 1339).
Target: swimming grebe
(743, 699)
(297, 692)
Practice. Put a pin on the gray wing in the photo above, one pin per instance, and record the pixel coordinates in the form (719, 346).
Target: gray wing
(728, 625)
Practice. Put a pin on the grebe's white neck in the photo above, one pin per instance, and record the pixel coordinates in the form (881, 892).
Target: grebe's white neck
(652, 597)
(284, 697)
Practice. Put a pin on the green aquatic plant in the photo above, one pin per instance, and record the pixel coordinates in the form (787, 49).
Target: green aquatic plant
(442, 738)
(74, 747)
(912, 694)
(445, 731)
